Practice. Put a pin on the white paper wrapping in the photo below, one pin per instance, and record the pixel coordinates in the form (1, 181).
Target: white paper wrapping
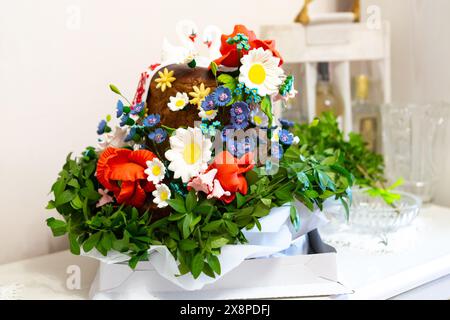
(276, 238)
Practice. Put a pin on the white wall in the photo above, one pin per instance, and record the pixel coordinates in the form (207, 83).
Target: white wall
(420, 58)
(54, 87)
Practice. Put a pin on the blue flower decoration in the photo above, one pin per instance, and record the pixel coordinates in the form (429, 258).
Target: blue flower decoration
(239, 108)
(276, 150)
(159, 135)
(119, 109)
(138, 108)
(286, 137)
(286, 123)
(152, 120)
(124, 119)
(101, 127)
(130, 135)
(222, 96)
(240, 147)
(239, 122)
(208, 103)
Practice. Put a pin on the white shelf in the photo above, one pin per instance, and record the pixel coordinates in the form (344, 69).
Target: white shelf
(344, 46)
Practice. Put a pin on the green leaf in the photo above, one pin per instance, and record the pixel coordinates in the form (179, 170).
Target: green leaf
(314, 123)
(64, 197)
(208, 270)
(214, 68)
(213, 226)
(197, 265)
(74, 246)
(232, 227)
(121, 244)
(177, 204)
(214, 263)
(191, 201)
(347, 209)
(266, 107)
(187, 245)
(50, 205)
(58, 187)
(186, 231)
(240, 199)
(397, 184)
(295, 219)
(76, 203)
(107, 240)
(218, 242)
(226, 78)
(91, 242)
(176, 216)
(266, 202)
(114, 89)
(58, 227)
(73, 183)
(311, 194)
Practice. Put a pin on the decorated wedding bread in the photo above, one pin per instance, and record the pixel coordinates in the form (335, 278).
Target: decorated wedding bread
(195, 165)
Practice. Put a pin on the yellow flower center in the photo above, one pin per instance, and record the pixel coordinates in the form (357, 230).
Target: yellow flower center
(156, 170)
(164, 195)
(191, 153)
(209, 112)
(257, 73)
(257, 120)
(179, 103)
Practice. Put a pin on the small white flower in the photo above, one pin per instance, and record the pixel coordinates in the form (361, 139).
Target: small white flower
(259, 118)
(161, 195)
(178, 102)
(276, 135)
(210, 114)
(155, 171)
(296, 140)
(114, 139)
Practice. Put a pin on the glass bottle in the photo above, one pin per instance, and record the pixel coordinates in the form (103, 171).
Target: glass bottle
(326, 97)
(366, 116)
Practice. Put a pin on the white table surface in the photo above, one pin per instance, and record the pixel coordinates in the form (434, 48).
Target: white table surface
(419, 272)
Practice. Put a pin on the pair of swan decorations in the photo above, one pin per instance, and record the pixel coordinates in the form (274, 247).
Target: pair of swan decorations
(188, 35)
(191, 44)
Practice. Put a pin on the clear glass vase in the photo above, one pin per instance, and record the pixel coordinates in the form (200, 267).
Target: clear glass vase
(414, 140)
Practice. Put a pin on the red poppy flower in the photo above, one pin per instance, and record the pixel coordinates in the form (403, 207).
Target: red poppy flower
(230, 55)
(122, 172)
(230, 173)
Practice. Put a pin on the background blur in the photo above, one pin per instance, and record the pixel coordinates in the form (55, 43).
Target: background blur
(57, 58)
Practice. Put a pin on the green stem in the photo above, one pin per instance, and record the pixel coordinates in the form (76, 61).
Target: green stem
(126, 99)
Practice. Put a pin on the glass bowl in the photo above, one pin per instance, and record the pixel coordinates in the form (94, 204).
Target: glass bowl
(373, 215)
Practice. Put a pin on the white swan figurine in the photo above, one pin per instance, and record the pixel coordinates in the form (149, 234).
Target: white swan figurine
(187, 32)
(212, 39)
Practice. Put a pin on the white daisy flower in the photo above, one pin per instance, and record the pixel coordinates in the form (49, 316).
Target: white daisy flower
(260, 71)
(178, 102)
(155, 171)
(210, 114)
(259, 118)
(189, 153)
(161, 195)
